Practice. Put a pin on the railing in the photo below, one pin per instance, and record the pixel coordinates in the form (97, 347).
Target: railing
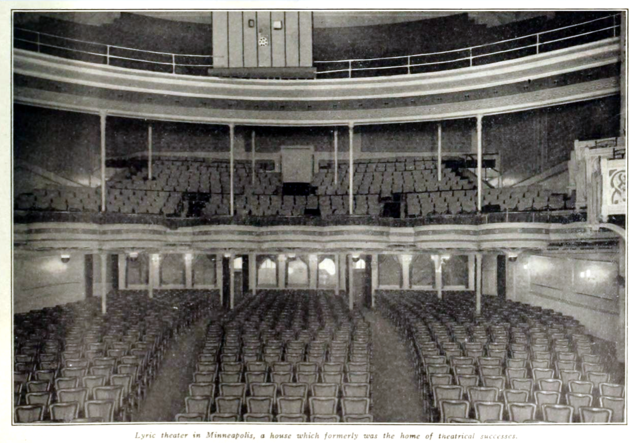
(196, 64)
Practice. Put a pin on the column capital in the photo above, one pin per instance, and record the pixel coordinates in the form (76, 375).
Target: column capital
(351, 126)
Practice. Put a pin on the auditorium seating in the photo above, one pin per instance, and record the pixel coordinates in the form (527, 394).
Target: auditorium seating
(201, 188)
(74, 364)
(283, 356)
(515, 362)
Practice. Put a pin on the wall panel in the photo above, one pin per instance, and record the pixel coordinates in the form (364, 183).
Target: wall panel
(264, 32)
(236, 40)
(306, 38)
(292, 40)
(250, 39)
(220, 39)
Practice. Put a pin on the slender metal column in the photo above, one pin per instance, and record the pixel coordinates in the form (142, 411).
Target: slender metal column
(439, 151)
(478, 283)
(150, 153)
(103, 161)
(252, 272)
(103, 281)
(350, 168)
(232, 280)
(479, 166)
(231, 171)
(335, 156)
(350, 258)
(374, 278)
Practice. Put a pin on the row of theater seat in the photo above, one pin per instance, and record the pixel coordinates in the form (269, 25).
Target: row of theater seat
(179, 186)
(514, 363)
(287, 356)
(73, 364)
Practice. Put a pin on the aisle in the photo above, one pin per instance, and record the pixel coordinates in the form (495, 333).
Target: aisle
(165, 399)
(395, 390)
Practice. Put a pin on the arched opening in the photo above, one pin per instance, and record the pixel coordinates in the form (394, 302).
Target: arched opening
(297, 273)
(327, 275)
(389, 271)
(267, 272)
(423, 271)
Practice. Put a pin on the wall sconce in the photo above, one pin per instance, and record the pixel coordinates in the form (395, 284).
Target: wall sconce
(355, 256)
(64, 258)
(133, 255)
(227, 255)
(512, 256)
(291, 255)
(211, 257)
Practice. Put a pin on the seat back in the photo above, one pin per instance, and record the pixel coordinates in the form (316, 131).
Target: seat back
(252, 417)
(28, 413)
(595, 415)
(198, 405)
(355, 406)
(581, 387)
(488, 410)
(611, 390)
(201, 389)
(616, 404)
(546, 397)
(103, 409)
(515, 396)
(294, 390)
(521, 412)
(351, 390)
(324, 389)
(557, 413)
(291, 405)
(64, 412)
(453, 408)
(323, 405)
(229, 405)
(260, 405)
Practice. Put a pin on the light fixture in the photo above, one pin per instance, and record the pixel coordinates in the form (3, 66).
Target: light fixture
(355, 255)
(133, 255)
(277, 25)
(445, 257)
(513, 256)
(291, 255)
(64, 258)
(227, 255)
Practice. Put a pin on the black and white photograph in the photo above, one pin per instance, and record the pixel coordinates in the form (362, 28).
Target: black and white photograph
(266, 216)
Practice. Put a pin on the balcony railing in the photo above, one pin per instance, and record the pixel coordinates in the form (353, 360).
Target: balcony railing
(196, 64)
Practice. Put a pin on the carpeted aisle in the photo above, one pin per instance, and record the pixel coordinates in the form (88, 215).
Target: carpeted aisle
(166, 396)
(395, 393)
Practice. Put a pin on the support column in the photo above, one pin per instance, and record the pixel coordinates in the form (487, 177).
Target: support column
(511, 266)
(439, 151)
(336, 260)
(232, 128)
(471, 267)
(150, 153)
(154, 266)
(282, 269)
(188, 270)
(350, 258)
(232, 281)
(122, 271)
(438, 264)
(350, 168)
(103, 161)
(103, 281)
(253, 158)
(405, 260)
(313, 271)
(342, 266)
(253, 273)
(374, 278)
(478, 283)
(220, 276)
(335, 156)
(479, 160)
